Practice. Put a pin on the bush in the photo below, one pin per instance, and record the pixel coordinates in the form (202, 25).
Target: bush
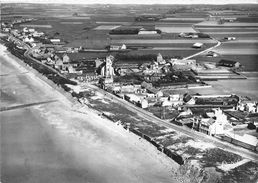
(125, 31)
(128, 57)
(251, 126)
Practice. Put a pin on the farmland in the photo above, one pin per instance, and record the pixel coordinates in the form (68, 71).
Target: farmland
(91, 29)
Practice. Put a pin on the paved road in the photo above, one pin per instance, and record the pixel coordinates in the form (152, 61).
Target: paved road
(204, 51)
(196, 135)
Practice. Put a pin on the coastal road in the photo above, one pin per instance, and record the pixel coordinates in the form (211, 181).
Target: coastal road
(44, 140)
(186, 131)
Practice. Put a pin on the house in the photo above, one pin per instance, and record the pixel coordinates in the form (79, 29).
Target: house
(132, 98)
(229, 19)
(188, 99)
(248, 106)
(114, 47)
(25, 29)
(144, 103)
(175, 97)
(31, 30)
(123, 47)
(37, 34)
(6, 29)
(59, 64)
(66, 58)
(228, 63)
(98, 62)
(216, 125)
(28, 40)
(160, 59)
(187, 112)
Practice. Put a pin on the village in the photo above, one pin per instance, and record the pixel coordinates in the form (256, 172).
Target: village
(153, 85)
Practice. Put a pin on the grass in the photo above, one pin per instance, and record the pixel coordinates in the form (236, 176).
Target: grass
(215, 156)
(247, 172)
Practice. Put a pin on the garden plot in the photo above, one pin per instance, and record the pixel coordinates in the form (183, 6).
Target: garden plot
(72, 23)
(172, 29)
(182, 19)
(226, 24)
(160, 41)
(36, 26)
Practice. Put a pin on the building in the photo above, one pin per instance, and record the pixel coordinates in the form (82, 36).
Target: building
(228, 63)
(114, 47)
(230, 38)
(108, 71)
(181, 64)
(55, 40)
(215, 124)
(28, 40)
(160, 59)
(144, 103)
(247, 106)
(59, 64)
(143, 31)
(66, 58)
(197, 45)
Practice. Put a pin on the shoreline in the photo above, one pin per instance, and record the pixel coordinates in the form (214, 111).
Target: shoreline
(139, 143)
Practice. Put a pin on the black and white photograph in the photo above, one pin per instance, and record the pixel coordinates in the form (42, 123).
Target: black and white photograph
(137, 91)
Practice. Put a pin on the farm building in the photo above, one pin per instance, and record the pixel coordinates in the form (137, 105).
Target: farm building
(197, 45)
(230, 38)
(117, 47)
(229, 19)
(55, 40)
(228, 63)
(144, 31)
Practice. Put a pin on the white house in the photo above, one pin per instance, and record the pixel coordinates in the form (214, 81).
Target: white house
(144, 103)
(66, 58)
(28, 40)
(217, 125)
(123, 47)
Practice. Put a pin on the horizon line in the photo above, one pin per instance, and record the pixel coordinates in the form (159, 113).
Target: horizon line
(136, 2)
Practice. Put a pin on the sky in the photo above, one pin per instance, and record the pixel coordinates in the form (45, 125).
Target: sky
(134, 1)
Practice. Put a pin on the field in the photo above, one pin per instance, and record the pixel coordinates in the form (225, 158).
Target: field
(171, 29)
(90, 27)
(106, 27)
(94, 23)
